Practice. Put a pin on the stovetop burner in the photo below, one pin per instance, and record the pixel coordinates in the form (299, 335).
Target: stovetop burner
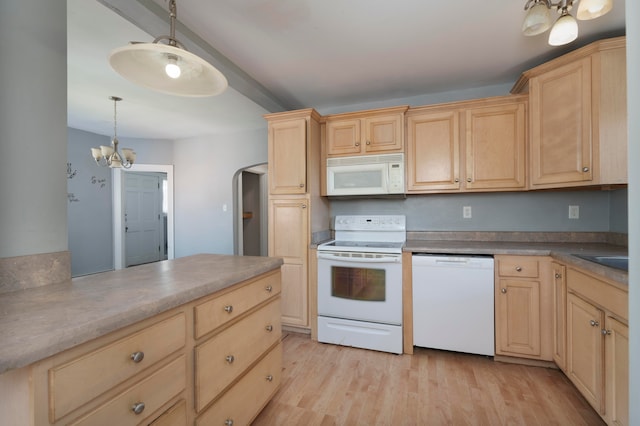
(375, 234)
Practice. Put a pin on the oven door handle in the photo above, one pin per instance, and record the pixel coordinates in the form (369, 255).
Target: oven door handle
(384, 259)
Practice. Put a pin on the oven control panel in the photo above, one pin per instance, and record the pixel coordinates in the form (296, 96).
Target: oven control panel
(370, 223)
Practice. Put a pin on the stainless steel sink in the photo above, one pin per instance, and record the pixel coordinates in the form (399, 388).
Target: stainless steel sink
(618, 262)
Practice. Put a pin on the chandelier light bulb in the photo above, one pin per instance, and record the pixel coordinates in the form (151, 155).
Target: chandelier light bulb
(537, 20)
(172, 68)
(564, 31)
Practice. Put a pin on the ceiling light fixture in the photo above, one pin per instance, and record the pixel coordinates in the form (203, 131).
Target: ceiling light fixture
(168, 68)
(565, 29)
(109, 155)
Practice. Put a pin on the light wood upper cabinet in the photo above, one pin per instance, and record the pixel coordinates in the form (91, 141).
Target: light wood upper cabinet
(288, 156)
(365, 132)
(467, 146)
(523, 307)
(433, 150)
(578, 117)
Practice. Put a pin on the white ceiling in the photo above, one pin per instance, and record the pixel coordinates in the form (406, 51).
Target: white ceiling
(289, 54)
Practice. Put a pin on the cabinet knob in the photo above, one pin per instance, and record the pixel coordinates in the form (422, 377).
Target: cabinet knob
(594, 323)
(301, 185)
(606, 332)
(228, 422)
(230, 359)
(228, 309)
(269, 288)
(269, 378)
(469, 180)
(456, 180)
(558, 275)
(138, 407)
(519, 268)
(585, 169)
(137, 356)
(269, 328)
(503, 290)
(368, 142)
(357, 143)
(304, 206)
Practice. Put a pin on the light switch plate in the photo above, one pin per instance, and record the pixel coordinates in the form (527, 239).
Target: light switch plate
(574, 212)
(466, 212)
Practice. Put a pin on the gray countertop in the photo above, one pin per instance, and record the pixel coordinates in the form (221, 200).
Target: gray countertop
(40, 322)
(563, 252)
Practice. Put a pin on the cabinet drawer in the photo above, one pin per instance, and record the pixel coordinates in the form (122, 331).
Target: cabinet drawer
(517, 266)
(174, 416)
(82, 379)
(606, 296)
(223, 358)
(216, 312)
(154, 391)
(256, 386)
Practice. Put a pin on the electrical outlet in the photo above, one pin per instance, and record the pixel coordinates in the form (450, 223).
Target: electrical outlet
(574, 212)
(466, 212)
(224, 207)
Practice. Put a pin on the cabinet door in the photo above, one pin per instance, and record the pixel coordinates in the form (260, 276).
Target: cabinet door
(518, 317)
(585, 349)
(616, 372)
(495, 147)
(384, 134)
(288, 156)
(289, 239)
(559, 314)
(433, 155)
(560, 123)
(343, 137)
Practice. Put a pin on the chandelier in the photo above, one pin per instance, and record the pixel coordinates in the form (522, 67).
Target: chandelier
(565, 29)
(168, 68)
(109, 155)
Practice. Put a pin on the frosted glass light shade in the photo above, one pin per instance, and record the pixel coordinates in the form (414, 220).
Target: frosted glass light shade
(564, 31)
(591, 9)
(144, 64)
(537, 20)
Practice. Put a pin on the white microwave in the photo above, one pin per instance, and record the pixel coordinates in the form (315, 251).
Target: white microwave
(366, 175)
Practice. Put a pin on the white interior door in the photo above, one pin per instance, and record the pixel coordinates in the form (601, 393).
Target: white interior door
(143, 218)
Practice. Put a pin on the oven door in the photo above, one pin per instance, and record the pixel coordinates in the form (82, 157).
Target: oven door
(360, 286)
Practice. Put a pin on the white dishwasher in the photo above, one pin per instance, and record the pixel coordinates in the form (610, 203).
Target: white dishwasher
(453, 303)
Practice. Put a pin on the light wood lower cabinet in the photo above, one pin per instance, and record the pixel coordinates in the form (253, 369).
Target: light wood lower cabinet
(598, 343)
(523, 307)
(172, 369)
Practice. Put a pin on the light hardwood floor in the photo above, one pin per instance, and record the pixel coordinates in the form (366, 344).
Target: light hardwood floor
(335, 385)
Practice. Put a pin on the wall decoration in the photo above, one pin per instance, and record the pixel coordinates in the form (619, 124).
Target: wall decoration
(70, 174)
(96, 181)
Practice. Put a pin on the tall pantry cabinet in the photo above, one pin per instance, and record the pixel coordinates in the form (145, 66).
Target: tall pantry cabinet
(296, 209)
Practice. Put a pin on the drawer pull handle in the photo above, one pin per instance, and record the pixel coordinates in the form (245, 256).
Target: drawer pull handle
(269, 288)
(558, 275)
(503, 290)
(269, 328)
(270, 377)
(606, 332)
(519, 268)
(228, 309)
(585, 169)
(230, 359)
(594, 323)
(138, 407)
(228, 422)
(137, 356)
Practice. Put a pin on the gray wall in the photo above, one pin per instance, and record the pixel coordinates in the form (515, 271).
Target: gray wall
(204, 170)
(619, 211)
(517, 211)
(89, 206)
(33, 127)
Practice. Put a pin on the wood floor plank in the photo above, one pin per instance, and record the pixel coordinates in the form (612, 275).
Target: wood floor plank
(326, 384)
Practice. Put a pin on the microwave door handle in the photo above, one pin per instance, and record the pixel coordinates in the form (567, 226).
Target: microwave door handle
(386, 259)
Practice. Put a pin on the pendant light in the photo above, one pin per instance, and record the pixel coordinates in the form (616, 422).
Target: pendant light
(565, 29)
(109, 155)
(168, 68)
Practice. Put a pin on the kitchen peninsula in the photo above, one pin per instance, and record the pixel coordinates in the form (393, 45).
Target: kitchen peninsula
(124, 345)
